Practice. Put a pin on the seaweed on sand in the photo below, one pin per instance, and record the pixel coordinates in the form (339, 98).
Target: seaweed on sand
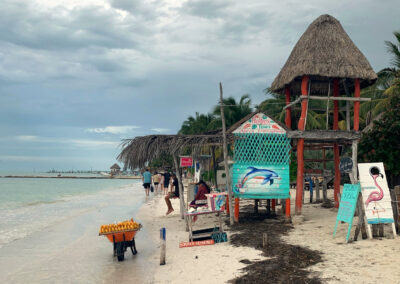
(286, 263)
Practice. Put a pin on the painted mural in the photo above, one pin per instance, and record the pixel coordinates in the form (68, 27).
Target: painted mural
(260, 123)
(375, 193)
(261, 159)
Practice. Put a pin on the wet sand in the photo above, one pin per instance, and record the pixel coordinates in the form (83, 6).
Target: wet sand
(72, 252)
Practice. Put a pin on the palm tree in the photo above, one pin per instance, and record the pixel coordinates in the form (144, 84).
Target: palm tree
(233, 111)
(198, 124)
(386, 86)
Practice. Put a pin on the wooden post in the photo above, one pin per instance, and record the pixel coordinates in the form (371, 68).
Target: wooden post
(336, 190)
(265, 240)
(273, 205)
(317, 196)
(348, 127)
(225, 147)
(288, 116)
(256, 205)
(356, 104)
(181, 197)
(287, 208)
(237, 210)
(214, 166)
(324, 190)
(163, 233)
(300, 148)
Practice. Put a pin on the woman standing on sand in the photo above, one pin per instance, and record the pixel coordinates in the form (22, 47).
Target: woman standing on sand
(173, 194)
(156, 181)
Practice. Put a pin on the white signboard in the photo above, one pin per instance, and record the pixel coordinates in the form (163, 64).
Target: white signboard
(260, 123)
(375, 193)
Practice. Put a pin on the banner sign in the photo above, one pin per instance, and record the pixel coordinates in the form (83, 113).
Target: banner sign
(196, 243)
(186, 162)
(347, 206)
(261, 182)
(375, 192)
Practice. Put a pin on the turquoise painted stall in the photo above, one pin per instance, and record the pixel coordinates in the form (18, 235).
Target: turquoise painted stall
(261, 159)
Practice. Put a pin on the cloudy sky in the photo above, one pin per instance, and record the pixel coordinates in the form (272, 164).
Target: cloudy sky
(77, 76)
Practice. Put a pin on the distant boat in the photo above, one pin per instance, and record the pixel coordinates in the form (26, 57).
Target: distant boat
(105, 174)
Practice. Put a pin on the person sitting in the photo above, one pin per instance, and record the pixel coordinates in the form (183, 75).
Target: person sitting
(200, 199)
(174, 193)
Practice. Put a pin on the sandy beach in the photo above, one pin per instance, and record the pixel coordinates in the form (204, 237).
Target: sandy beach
(72, 252)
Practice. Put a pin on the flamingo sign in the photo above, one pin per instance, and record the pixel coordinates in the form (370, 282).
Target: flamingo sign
(375, 192)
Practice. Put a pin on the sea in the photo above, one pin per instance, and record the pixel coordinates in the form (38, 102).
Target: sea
(29, 205)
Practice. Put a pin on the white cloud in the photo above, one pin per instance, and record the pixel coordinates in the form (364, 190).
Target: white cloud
(26, 138)
(113, 129)
(160, 130)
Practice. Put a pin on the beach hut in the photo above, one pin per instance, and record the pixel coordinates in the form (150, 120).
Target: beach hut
(324, 61)
(261, 160)
(115, 169)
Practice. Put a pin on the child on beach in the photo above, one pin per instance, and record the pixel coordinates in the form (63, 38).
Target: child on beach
(174, 193)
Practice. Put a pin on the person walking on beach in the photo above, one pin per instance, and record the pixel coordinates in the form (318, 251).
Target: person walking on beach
(174, 193)
(156, 181)
(167, 178)
(146, 178)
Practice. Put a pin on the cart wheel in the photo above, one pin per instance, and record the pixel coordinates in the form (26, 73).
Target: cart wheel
(120, 251)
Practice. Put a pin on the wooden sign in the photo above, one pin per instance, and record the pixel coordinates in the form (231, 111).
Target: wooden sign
(260, 123)
(186, 162)
(347, 206)
(196, 243)
(346, 165)
(375, 192)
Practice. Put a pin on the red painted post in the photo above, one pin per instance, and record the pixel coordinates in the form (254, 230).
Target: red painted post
(336, 184)
(227, 207)
(300, 148)
(287, 207)
(236, 210)
(273, 204)
(288, 117)
(356, 104)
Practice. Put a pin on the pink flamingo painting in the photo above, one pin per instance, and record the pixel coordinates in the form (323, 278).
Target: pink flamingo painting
(375, 195)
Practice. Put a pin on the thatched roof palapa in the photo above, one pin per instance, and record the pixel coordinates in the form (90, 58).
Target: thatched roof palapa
(115, 167)
(323, 52)
(138, 151)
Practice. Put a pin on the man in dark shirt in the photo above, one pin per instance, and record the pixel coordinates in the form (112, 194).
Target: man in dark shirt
(167, 177)
(174, 193)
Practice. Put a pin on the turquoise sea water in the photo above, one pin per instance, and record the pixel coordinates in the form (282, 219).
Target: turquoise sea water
(28, 205)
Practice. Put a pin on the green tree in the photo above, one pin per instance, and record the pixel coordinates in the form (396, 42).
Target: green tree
(198, 124)
(233, 111)
(381, 143)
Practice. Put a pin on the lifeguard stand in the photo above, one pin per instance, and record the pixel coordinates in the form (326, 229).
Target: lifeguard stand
(261, 160)
(324, 61)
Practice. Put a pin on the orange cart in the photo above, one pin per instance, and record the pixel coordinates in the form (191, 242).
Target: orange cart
(121, 241)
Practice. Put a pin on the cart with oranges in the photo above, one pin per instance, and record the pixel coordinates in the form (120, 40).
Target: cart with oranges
(122, 235)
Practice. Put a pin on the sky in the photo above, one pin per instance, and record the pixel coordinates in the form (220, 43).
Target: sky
(78, 76)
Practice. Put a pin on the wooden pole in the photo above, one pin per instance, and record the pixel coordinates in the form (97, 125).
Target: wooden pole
(163, 233)
(288, 117)
(300, 148)
(356, 104)
(225, 147)
(181, 197)
(336, 190)
(214, 166)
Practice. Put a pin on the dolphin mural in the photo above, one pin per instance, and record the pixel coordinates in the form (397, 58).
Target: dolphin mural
(254, 173)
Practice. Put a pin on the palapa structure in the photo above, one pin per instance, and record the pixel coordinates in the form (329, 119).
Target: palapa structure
(115, 168)
(324, 59)
(137, 152)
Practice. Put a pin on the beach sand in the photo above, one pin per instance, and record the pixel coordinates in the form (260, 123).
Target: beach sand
(72, 252)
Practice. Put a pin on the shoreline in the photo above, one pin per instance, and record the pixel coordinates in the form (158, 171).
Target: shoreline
(75, 177)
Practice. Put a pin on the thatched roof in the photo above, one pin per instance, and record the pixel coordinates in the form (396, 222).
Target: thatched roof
(324, 52)
(115, 167)
(138, 151)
